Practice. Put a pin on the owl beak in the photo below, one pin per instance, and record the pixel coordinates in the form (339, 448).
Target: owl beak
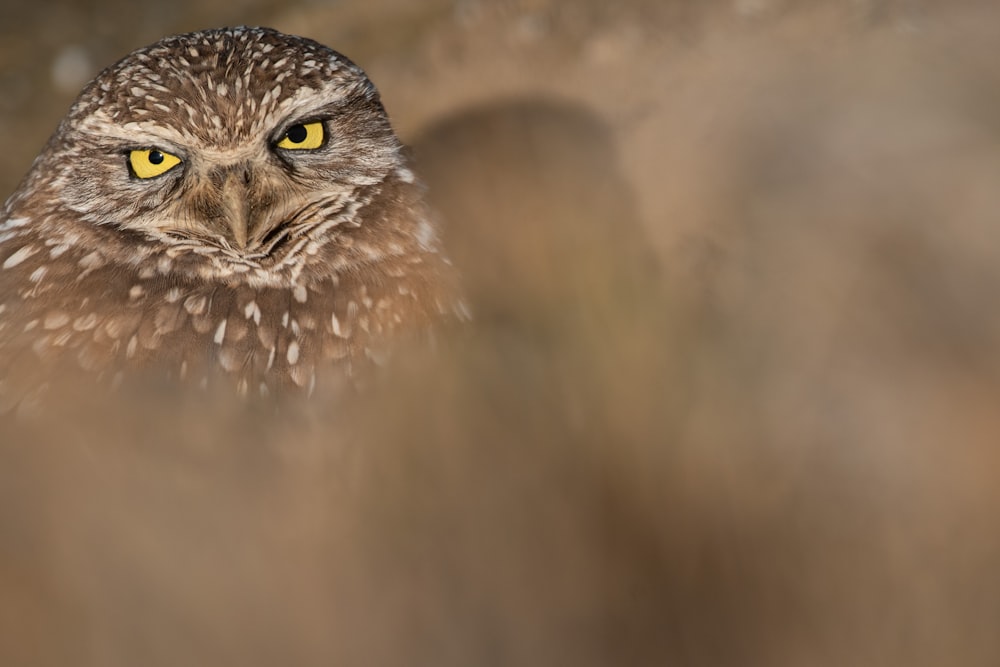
(235, 201)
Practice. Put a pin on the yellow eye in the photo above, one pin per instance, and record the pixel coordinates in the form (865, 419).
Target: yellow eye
(149, 162)
(305, 136)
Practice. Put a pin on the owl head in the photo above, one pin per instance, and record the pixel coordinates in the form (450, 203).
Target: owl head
(241, 150)
(227, 204)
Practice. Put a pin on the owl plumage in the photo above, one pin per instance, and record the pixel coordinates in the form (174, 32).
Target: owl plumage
(229, 203)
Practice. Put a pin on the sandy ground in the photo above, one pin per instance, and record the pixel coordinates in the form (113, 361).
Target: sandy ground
(730, 399)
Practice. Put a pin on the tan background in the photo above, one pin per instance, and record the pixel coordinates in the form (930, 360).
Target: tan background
(731, 397)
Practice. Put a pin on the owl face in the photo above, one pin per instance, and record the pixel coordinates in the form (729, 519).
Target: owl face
(228, 208)
(241, 145)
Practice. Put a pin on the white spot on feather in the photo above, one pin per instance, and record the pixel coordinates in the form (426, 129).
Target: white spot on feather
(14, 222)
(252, 310)
(40, 346)
(293, 353)
(220, 333)
(462, 310)
(85, 323)
(19, 256)
(426, 236)
(92, 261)
(335, 323)
(195, 305)
(55, 320)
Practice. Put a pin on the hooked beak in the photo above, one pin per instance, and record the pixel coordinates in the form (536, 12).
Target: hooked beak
(235, 203)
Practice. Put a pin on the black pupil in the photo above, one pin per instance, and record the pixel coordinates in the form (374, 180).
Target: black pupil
(155, 157)
(297, 134)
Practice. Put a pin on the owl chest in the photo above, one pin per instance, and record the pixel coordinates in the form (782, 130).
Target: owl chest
(258, 340)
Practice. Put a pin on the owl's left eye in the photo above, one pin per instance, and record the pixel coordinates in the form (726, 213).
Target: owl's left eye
(304, 136)
(149, 162)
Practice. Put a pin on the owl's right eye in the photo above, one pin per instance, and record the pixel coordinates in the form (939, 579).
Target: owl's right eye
(150, 162)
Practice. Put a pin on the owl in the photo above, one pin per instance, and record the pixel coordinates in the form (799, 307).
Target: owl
(226, 207)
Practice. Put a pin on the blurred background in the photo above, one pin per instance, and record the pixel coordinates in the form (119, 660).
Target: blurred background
(730, 398)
